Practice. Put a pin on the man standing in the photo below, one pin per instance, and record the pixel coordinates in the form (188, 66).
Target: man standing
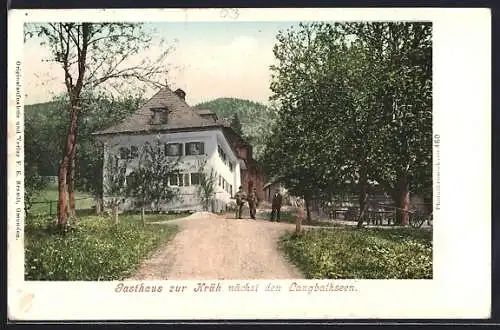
(252, 202)
(276, 206)
(240, 201)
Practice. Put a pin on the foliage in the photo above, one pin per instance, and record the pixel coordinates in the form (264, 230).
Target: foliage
(236, 124)
(206, 188)
(361, 254)
(45, 128)
(354, 108)
(256, 119)
(33, 185)
(95, 250)
(148, 183)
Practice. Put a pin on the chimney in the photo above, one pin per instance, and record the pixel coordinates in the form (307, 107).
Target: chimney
(180, 93)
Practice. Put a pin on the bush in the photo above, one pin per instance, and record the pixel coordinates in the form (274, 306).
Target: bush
(361, 254)
(93, 249)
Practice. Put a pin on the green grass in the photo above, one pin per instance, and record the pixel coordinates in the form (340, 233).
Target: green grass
(349, 253)
(93, 248)
(44, 197)
(284, 216)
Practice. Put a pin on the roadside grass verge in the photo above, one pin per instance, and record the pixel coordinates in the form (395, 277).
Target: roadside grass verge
(286, 217)
(93, 249)
(349, 253)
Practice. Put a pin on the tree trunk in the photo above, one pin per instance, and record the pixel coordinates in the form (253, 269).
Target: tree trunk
(143, 218)
(402, 201)
(363, 198)
(71, 179)
(115, 214)
(308, 211)
(98, 206)
(62, 206)
(298, 219)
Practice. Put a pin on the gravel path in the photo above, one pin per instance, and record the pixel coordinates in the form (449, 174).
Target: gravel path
(210, 246)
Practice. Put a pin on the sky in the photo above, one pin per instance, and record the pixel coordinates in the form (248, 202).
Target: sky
(209, 60)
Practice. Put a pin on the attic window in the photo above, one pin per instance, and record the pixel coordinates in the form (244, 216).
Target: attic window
(159, 116)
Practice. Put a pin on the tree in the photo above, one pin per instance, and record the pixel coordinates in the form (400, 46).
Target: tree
(339, 125)
(206, 188)
(83, 51)
(115, 184)
(33, 184)
(148, 183)
(236, 124)
(403, 57)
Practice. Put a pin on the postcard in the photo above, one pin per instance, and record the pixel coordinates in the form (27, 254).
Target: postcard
(243, 164)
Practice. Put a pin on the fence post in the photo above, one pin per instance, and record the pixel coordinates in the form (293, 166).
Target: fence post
(50, 208)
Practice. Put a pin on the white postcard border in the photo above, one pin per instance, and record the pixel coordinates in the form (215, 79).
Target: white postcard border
(462, 282)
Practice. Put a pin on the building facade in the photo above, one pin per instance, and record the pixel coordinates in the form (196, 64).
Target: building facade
(194, 137)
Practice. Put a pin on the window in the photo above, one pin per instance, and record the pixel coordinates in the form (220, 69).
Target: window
(231, 189)
(222, 155)
(174, 180)
(231, 166)
(173, 149)
(181, 180)
(195, 178)
(220, 180)
(195, 148)
(124, 153)
(159, 116)
(186, 179)
(134, 152)
(131, 179)
(223, 183)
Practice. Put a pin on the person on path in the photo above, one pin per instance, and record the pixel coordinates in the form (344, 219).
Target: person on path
(252, 202)
(276, 206)
(240, 201)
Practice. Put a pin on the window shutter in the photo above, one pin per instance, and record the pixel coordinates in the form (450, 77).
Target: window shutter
(202, 148)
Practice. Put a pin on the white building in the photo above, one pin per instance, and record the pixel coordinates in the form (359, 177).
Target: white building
(193, 135)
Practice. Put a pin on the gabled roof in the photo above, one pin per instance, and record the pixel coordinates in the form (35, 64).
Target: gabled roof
(180, 116)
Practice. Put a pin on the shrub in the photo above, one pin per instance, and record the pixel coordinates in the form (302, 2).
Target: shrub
(361, 254)
(92, 249)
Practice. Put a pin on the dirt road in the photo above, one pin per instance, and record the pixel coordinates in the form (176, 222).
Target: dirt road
(210, 246)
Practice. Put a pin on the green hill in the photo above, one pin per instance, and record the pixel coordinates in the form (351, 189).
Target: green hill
(255, 118)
